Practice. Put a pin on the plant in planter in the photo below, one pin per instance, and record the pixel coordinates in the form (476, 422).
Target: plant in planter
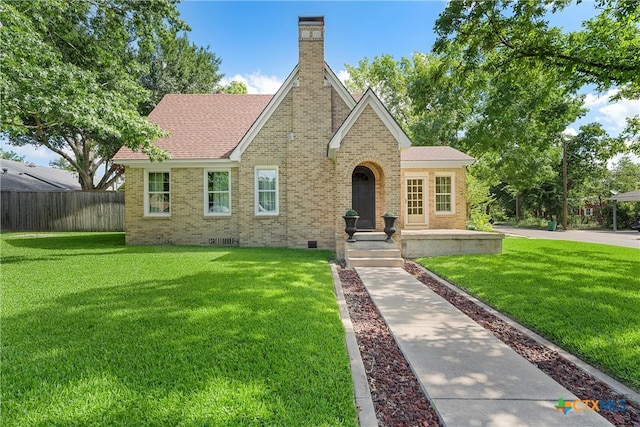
(350, 218)
(389, 228)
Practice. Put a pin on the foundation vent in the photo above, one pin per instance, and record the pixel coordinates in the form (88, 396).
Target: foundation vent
(224, 241)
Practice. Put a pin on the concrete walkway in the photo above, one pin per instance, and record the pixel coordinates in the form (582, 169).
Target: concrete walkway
(626, 238)
(471, 377)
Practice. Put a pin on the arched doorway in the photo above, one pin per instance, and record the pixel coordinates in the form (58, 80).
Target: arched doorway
(363, 198)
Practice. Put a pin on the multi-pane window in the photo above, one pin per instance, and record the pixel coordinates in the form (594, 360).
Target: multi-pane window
(266, 190)
(414, 196)
(443, 194)
(218, 193)
(158, 193)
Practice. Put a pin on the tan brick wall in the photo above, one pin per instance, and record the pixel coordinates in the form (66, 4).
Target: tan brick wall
(457, 220)
(187, 223)
(339, 111)
(368, 143)
(269, 148)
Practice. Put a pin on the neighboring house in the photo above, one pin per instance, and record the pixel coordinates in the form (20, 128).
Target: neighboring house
(281, 170)
(18, 176)
(590, 210)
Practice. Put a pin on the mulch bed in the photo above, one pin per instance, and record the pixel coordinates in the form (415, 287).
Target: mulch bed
(397, 396)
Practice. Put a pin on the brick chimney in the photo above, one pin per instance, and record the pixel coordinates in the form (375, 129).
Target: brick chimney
(311, 51)
(309, 172)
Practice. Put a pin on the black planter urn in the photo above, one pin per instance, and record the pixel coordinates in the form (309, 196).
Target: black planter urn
(389, 227)
(350, 228)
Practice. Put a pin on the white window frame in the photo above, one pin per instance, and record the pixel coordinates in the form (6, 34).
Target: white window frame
(147, 210)
(588, 211)
(206, 192)
(258, 212)
(453, 193)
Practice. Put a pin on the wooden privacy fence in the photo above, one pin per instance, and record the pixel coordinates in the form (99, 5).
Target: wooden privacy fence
(62, 211)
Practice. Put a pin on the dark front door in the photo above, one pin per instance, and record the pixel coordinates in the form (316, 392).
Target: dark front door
(364, 197)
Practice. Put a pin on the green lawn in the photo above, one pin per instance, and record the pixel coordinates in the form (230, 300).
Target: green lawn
(97, 333)
(584, 297)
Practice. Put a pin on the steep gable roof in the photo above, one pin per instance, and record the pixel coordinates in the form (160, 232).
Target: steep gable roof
(218, 126)
(202, 126)
(368, 99)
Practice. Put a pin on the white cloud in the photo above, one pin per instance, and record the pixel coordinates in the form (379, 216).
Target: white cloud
(570, 131)
(343, 76)
(617, 113)
(256, 82)
(595, 100)
(612, 115)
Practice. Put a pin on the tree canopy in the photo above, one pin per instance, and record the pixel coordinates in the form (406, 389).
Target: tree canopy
(176, 65)
(78, 77)
(604, 52)
(499, 34)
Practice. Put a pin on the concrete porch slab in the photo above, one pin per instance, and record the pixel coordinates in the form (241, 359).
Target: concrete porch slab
(437, 242)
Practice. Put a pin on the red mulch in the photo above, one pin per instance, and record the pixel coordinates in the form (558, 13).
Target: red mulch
(397, 396)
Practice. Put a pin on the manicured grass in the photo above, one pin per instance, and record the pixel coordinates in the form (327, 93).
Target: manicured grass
(97, 333)
(584, 297)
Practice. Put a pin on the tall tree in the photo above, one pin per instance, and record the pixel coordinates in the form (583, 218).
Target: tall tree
(584, 161)
(389, 79)
(176, 65)
(502, 33)
(71, 73)
(625, 176)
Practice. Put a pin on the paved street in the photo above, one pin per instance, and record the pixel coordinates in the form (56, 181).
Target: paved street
(627, 238)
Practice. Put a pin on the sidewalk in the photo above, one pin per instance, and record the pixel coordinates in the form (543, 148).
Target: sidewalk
(471, 377)
(626, 238)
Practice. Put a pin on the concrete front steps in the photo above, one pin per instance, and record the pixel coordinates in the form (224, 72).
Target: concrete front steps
(371, 250)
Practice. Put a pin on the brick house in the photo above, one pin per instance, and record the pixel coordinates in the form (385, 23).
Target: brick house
(281, 170)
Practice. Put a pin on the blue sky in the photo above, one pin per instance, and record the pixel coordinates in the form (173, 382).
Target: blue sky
(261, 37)
(257, 42)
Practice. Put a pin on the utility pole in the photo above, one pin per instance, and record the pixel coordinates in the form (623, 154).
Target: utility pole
(565, 185)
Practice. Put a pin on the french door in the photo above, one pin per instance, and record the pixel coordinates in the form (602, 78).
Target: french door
(416, 200)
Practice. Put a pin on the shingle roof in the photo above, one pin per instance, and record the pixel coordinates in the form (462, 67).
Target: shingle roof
(202, 126)
(434, 153)
(18, 176)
